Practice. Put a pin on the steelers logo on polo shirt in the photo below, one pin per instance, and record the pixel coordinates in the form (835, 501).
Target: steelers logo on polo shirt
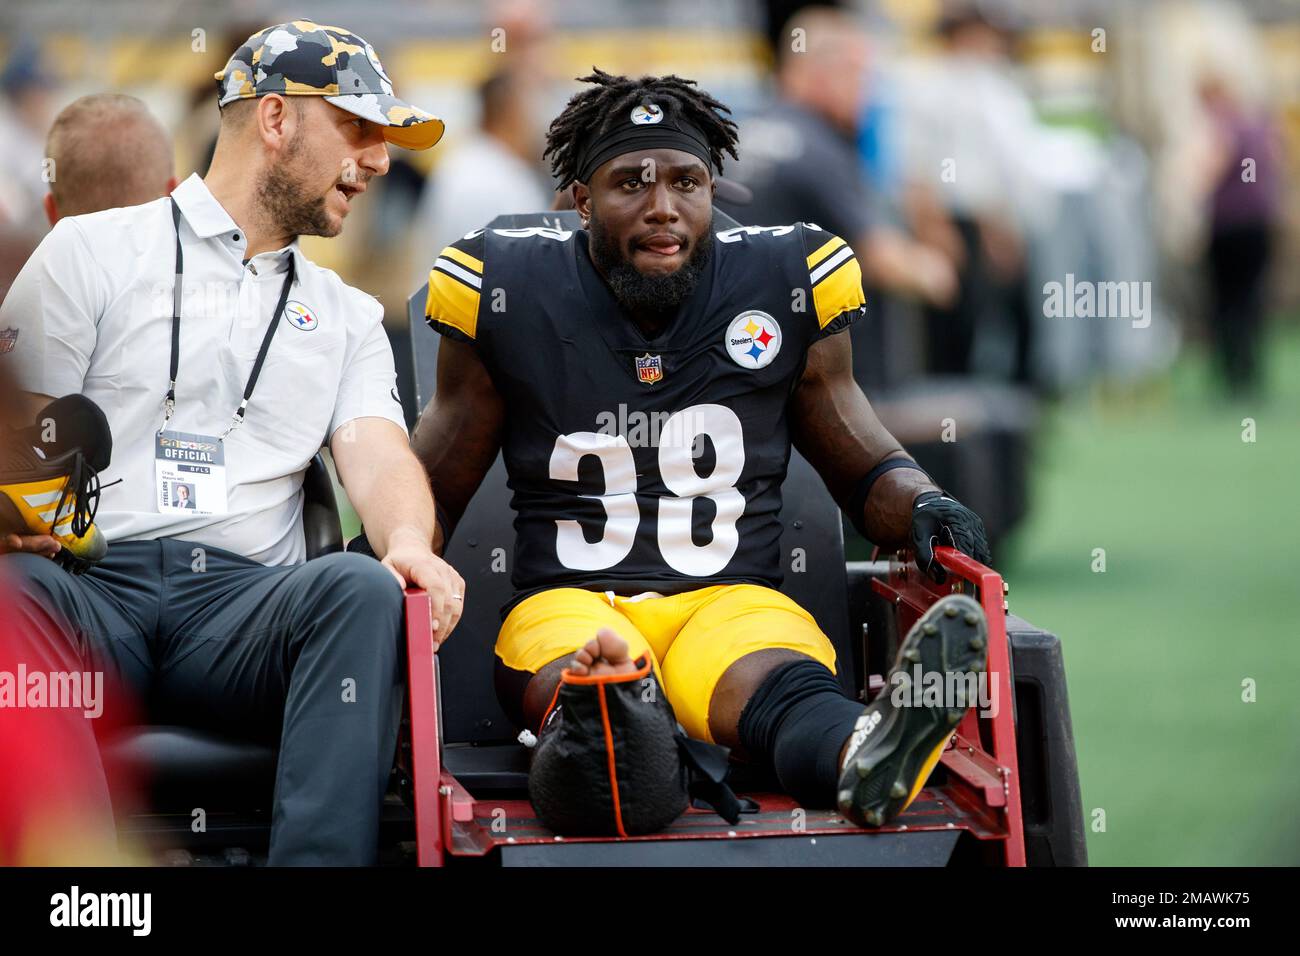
(753, 339)
(299, 316)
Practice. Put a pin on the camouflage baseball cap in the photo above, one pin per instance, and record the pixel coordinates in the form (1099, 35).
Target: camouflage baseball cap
(302, 58)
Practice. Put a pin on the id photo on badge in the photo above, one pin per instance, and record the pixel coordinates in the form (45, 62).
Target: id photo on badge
(183, 495)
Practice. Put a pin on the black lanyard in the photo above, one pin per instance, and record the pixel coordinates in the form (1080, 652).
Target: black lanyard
(170, 402)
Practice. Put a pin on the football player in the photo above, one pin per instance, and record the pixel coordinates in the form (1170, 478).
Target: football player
(645, 378)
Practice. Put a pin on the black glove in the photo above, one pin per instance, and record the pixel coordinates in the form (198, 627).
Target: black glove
(939, 520)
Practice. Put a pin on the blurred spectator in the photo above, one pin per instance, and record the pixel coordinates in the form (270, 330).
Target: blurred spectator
(107, 151)
(1245, 207)
(492, 172)
(800, 159)
(26, 93)
(526, 29)
(195, 130)
(969, 133)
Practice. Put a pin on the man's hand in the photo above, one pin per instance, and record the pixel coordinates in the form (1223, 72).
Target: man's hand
(413, 562)
(45, 545)
(939, 520)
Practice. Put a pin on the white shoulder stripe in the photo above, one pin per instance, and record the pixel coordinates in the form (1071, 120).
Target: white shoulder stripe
(459, 271)
(831, 264)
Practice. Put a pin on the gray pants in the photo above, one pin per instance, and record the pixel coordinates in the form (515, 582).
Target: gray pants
(307, 657)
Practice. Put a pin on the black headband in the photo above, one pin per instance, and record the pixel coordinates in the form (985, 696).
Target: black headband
(648, 133)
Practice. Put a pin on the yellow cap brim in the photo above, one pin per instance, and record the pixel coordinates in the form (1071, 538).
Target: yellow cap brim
(417, 135)
(381, 110)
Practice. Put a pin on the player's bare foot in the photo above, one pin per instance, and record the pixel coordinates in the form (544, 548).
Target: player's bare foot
(604, 654)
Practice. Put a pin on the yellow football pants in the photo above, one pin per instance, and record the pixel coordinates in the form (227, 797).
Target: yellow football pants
(692, 638)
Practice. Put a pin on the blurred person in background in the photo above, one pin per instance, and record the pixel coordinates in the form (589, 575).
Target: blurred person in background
(1245, 205)
(26, 95)
(968, 126)
(493, 171)
(526, 28)
(107, 150)
(800, 158)
(197, 126)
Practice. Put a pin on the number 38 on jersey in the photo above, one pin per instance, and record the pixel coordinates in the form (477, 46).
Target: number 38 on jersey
(678, 440)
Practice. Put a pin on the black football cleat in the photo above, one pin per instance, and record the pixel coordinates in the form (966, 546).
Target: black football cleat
(49, 479)
(894, 748)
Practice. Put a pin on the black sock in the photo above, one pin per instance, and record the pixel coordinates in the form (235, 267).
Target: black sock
(798, 720)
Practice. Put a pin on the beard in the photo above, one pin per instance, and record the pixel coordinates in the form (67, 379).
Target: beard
(641, 294)
(289, 204)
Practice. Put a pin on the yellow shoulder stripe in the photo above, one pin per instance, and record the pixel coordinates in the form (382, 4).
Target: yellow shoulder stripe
(838, 292)
(452, 302)
(464, 258)
(824, 250)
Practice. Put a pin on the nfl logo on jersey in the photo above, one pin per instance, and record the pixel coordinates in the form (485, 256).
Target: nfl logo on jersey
(650, 368)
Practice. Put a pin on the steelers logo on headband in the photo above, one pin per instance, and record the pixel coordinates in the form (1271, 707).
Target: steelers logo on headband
(651, 127)
(646, 114)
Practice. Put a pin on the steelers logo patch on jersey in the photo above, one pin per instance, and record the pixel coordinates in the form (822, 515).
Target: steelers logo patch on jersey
(753, 339)
(647, 114)
(299, 316)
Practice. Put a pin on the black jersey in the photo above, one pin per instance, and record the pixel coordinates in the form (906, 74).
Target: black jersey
(645, 464)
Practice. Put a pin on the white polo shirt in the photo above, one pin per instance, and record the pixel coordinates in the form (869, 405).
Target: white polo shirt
(92, 313)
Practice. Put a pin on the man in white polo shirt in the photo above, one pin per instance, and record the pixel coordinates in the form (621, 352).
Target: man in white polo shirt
(203, 606)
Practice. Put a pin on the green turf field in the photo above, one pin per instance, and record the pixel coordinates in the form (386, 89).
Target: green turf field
(1201, 591)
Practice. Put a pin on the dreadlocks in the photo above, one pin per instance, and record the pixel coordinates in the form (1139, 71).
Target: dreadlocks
(592, 111)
